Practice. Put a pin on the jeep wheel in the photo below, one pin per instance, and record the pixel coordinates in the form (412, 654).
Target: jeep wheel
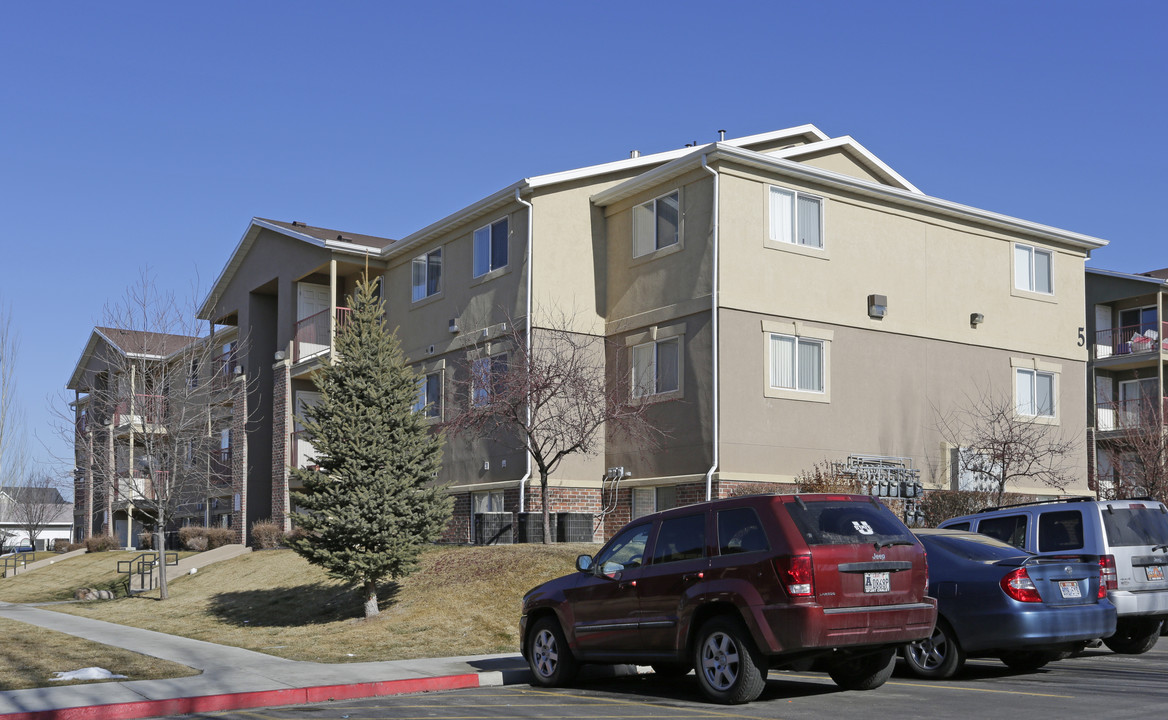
(864, 672)
(937, 657)
(729, 668)
(550, 660)
(1134, 636)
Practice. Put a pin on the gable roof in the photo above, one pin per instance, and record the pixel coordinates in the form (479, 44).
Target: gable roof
(136, 344)
(347, 243)
(35, 495)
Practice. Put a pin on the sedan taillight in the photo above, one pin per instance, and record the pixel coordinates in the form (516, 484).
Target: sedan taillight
(1018, 585)
(796, 575)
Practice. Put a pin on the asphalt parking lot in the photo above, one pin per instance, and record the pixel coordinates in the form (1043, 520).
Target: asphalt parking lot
(1097, 684)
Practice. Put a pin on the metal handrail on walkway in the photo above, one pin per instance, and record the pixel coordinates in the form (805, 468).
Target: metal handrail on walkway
(143, 566)
(14, 561)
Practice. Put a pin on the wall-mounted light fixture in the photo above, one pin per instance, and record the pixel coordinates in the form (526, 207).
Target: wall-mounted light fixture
(976, 319)
(877, 306)
(279, 355)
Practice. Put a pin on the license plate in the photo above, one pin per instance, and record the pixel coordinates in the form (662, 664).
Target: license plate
(1155, 572)
(1070, 589)
(877, 582)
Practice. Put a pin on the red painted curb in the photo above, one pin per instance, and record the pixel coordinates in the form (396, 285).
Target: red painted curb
(239, 701)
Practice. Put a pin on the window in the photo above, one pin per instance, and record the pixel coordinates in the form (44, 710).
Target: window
(681, 538)
(796, 363)
(1009, 529)
(796, 218)
(1059, 531)
(656, 223)
(1032, 269)
(625, 551)
(487, 378)
(656, 367)
(1035, 393)
(739, 531)
(490, 247)
(490, 501)
(427, 275)
(650, 500)
(430, 395)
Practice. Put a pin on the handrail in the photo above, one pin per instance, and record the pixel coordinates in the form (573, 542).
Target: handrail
(143, 566)
(14, 561)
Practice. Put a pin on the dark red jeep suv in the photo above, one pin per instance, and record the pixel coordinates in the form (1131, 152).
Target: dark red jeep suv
(733, 587)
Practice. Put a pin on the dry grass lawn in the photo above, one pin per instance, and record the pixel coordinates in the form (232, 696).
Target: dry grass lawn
(29, 657)
(57, 582)
(461, 601)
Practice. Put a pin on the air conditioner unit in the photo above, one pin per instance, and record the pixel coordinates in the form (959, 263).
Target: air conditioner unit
(453, 325)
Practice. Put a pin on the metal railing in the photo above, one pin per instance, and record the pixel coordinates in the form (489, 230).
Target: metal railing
(311, 335)
(1130, 414)
(223, 369)
(143, 567)
(1131, 340)
(15, 561)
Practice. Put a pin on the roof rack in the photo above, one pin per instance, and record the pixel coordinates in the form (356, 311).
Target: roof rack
(1077, 498)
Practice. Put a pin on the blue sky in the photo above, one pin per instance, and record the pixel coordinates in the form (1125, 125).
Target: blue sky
(135, 134)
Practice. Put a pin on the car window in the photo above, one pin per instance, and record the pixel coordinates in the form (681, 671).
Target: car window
(1061, 530)
(958, 526)
(976, 547)
(845, 522)
(1135, 525)
(681, 538)
(1009, 529)
(625, 551)
(739, 531)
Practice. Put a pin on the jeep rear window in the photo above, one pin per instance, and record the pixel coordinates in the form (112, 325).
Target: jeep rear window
(1130, 526)
(847, 522)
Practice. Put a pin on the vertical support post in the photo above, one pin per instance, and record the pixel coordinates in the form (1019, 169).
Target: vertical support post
(332, 308)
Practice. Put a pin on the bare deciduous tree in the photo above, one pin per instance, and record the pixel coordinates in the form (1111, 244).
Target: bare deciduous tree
(1138, 455)
(997, 446)
(36, 503)
(552, 396)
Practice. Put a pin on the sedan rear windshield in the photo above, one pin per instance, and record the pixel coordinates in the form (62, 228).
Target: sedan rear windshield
(1130, 526)
(979, 548)
(847, 522)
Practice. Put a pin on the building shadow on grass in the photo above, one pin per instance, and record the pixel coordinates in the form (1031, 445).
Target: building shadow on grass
(296, 605)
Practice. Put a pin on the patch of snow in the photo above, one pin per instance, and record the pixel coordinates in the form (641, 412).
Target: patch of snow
(89, 673)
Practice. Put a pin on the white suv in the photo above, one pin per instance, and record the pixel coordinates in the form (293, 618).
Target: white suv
(1129, 536)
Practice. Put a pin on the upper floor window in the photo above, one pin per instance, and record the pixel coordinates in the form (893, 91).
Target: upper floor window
(656, 224)
(486, 378)
(1032, 269)
(1035, 393)
(796, 218)
(430, 395)
(427, 275)
(490, 247)
(656, 367)
(796, 363)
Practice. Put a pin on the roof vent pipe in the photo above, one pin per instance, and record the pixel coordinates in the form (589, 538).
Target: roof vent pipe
(721, 135)
(634, 153)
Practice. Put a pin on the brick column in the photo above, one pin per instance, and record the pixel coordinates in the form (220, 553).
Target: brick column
(281, 436)
(239, 458)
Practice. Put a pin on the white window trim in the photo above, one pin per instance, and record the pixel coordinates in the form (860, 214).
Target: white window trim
(658, 251)
(801, 330)
(1037, 366)
(423, 376)
(441, 280)
(1024, 292)
(656, 335)
(793, 247)
(490, 272)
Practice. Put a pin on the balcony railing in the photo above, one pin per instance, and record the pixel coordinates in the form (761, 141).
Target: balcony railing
(1130, 414)
(144, 409)
(311, 337)
(221, 476)
(141, 488)
(1130, 340)
(223, 369)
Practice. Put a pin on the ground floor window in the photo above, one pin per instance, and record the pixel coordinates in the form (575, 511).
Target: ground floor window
(650, 500)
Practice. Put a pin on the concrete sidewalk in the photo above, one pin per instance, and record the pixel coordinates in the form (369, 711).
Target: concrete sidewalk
(232, 678)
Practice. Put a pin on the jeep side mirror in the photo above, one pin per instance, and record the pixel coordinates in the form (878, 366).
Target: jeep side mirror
(584, 563)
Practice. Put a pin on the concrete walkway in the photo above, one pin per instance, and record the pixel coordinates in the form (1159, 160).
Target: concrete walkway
(232, 678)
(12, 572)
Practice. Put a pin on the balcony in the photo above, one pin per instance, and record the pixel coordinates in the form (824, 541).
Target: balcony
(1130, 340)
(132, 489)
(221, 475)
(1127, 415)
(311, 336)
(140, 410)
(223, 369)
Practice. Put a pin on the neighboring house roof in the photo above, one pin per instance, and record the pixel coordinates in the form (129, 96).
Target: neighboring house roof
(57, 510)
(1155, 277)
(135, 344)
(348, 243)
(40, 495)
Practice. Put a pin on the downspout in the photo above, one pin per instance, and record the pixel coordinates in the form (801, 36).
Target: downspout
(527, 343)
(714, 331)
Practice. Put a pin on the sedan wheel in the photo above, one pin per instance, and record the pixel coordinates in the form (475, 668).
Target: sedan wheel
(937, 657)
(550, 659)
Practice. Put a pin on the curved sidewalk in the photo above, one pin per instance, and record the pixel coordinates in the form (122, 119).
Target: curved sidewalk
(232, 678)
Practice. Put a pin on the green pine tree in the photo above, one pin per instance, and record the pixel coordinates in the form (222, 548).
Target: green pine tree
(370, 505)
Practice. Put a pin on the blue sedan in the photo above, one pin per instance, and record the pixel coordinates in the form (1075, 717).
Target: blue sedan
(994, 600)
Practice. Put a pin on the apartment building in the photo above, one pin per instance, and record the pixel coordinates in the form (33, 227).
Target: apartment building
(1126, 332)
(152, 414)
(780, 300)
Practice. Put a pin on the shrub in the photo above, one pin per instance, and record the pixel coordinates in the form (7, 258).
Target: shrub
(60, 545)
(218, 537)
(101, 543)
(939, 505)
(266, 535)
(192, 534)
(146, 540)
(826, 477)
(197, 543)
(70, 547)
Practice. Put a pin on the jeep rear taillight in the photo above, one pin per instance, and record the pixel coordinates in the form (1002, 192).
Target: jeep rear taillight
(1108, 578)
(796, 575)
(1102, 584)
(1018, 585)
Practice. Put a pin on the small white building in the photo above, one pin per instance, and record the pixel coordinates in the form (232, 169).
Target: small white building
(45, 508)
